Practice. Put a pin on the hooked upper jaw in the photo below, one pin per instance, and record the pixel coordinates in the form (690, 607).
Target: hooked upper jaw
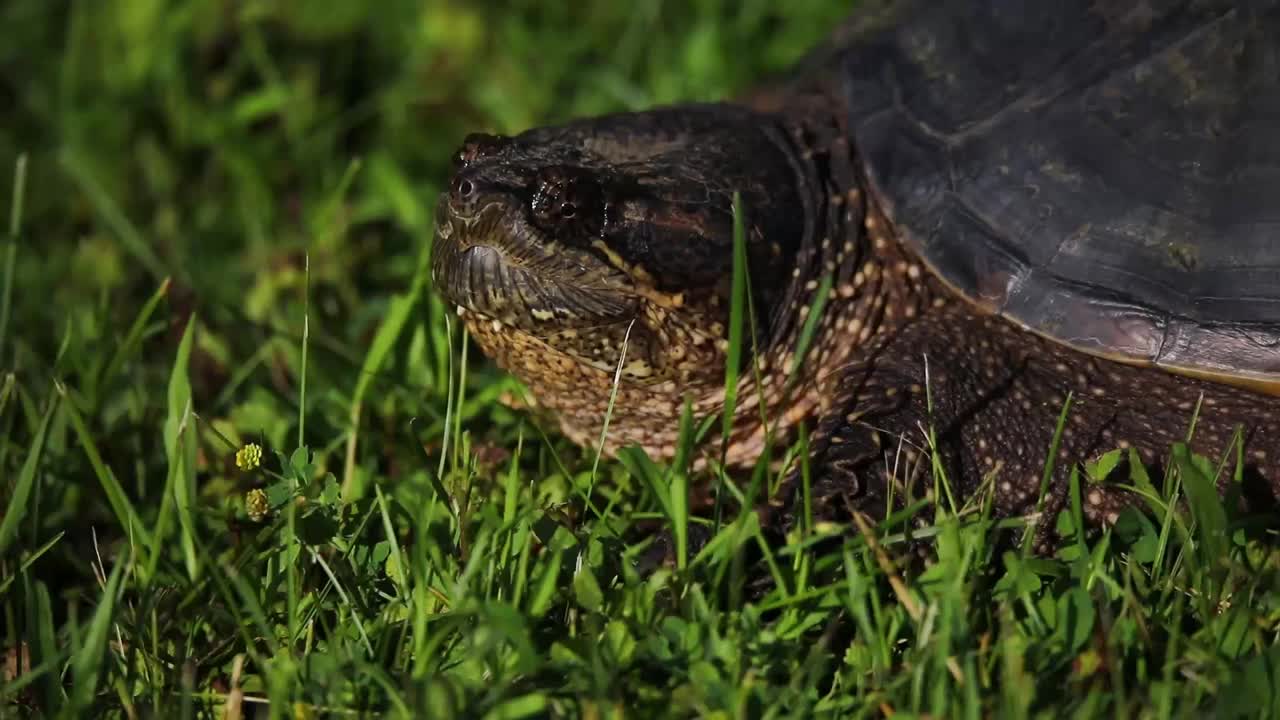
(490, 259)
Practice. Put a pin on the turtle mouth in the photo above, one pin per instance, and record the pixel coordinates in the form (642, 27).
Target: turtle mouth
(488, 259)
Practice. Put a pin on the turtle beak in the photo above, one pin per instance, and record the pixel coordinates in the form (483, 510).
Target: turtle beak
(470, 278)
(489, 259)
(467, 273)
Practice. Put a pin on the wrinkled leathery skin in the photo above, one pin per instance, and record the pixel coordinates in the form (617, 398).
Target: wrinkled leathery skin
(562, 245)
(993, 394)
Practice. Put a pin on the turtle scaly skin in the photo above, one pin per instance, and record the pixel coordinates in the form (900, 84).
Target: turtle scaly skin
(601, 251)
(554, 301)
(997, 392)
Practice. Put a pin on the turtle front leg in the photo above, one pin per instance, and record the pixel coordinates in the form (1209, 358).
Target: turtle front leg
(985, 397)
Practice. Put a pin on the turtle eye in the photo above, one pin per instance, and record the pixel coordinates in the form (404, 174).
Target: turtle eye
(567, 202)
(463, 188)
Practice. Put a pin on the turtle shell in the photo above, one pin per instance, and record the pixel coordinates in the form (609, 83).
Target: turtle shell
(1106, 174)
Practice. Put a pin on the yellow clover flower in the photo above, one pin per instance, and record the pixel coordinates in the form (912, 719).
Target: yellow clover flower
(255, 504)
(249, 457)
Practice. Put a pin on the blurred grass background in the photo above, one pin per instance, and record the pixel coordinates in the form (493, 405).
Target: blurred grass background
(208, 141)
(214, 144)
(221, 239)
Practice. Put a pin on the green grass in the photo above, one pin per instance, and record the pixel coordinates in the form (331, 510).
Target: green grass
(218, 235)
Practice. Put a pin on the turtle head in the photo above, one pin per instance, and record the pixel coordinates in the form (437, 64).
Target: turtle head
(568, 241)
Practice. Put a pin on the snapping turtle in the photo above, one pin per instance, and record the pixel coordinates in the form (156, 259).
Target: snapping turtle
(975, 210)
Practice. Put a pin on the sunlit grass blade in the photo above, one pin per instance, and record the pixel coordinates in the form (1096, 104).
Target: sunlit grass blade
(401, 309)
(1206, 506)
(294, 545)
(1077, 509)
(181, 446)
(678, 492)
(305, 347)
(1046, 478)
(388, 527)
(544, 588)
(810, 328)
(642, 467)
(608, 411)
(737, 310)
(450, 404)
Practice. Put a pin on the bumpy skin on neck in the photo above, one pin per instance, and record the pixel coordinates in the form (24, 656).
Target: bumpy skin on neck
(562, 245)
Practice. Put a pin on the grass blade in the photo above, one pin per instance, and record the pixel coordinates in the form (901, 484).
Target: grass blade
(11, 247)
(6, 390)
(112, 215)
(30, 558)
(810, 328)
(399, 311)
(180, 448)
(1206, 506)
(608, 411)
(87, 665)
(1028, 538)
(306, 337)
(132, 341)
(42, 636)
(22, 488)
(116, 496)
(737, 310)
(678, 492)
